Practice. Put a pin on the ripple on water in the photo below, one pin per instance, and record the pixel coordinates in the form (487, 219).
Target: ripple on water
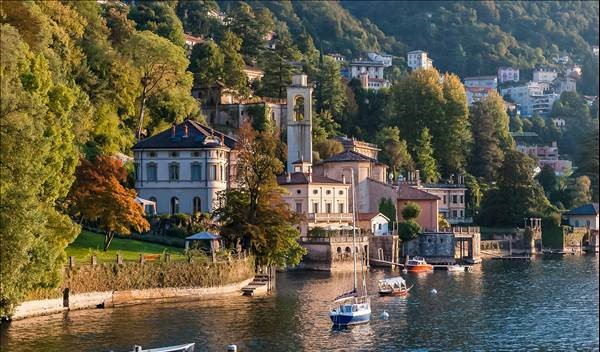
(541, 305)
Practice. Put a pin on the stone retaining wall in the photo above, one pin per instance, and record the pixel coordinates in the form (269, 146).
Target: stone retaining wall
(123, 298)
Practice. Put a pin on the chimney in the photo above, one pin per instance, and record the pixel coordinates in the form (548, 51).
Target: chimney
(222, 139)
(185, 130)
(418, 178)
(173, 130)
(309, 177)
(344, 179)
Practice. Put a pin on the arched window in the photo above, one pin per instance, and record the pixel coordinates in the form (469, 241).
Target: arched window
(174, 205)
(339, 250)
(197, 205)
(298, 108)
(153, 210)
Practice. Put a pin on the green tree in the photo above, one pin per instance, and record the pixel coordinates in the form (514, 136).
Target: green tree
(36, 169)
(489, 124)
(255, 213)
(251, 27)
(547, 178)
(580, 191)
(327, 148)
(410, 211)
(330, 91)
(387, 208)
(234, 76)
(206, 64)
(161, 66)
(424, 158)
(517, 194)
(453, 135)
(408, 230)
(587, 159)
(195, 18)
(278, 69)
(158, 17)
(394, 151)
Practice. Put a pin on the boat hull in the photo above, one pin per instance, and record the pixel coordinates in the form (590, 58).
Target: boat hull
(419, 268)
(341, 319)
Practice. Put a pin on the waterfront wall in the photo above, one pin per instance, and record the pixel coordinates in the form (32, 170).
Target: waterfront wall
(110, 285)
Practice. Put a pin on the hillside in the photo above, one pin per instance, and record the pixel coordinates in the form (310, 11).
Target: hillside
(467, 38)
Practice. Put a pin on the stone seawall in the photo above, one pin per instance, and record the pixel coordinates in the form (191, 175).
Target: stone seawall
(104, 299)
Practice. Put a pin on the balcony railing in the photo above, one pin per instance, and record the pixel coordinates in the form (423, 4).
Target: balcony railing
(329, 217)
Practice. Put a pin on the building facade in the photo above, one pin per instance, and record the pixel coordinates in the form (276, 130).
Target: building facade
(418, 59)
(547, 155)
(508, 74)
(183, 169)
(452, 203)
(584, 216)
(385, 59)
(478, 88)
(369, 73)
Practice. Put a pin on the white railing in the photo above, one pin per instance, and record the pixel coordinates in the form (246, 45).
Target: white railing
(330, 217)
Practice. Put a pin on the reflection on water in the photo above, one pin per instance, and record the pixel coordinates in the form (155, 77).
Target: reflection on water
(545, 304)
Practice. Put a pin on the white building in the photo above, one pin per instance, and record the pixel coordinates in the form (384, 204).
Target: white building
(337, 57)
(376, 223)
(574, 71)
(564, 84)
(531, 98)
(479, 87)
(182, 169)
(545, 76)
(191, 41)
(385, 59)
(584, 216)
(417, 59)
(370, 74)
(508, 74)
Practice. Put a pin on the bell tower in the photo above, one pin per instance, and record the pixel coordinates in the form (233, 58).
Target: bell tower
(299, 124)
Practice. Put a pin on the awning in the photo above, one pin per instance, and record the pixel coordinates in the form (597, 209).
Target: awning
(204, 235)
(144, 201)
(399, 281)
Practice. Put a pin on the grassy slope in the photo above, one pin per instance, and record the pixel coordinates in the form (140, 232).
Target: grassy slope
(87, 242)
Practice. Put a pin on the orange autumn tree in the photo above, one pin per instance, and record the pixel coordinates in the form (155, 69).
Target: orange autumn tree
(98, 195)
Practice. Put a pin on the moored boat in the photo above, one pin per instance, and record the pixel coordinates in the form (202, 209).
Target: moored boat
(395, 286)
(455, 268)
(352, 309)
(418, 265)
(188, 347)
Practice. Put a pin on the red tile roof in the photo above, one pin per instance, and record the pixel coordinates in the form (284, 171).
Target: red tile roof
(406, 192)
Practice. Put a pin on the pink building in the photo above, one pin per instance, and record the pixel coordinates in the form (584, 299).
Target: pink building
(508, 74)
(547, 155)
(428, 218)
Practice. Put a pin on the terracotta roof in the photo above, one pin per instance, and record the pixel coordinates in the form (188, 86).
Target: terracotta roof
(196, 138)
(348, 155)
(369, 216)
(300, 178)
(406, 192)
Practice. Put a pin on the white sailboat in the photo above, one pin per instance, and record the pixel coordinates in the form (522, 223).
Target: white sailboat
(352, 308)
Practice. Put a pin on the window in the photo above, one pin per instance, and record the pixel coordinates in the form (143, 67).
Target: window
(315, 191)
(445, 199)
(341, 208)
(341, 192)
(196, 205)
(462, 214)
(379, 226)
(298, 207)
(152, 210)
(174, 172)
(454, 214)
(462, 199)
(151, 154)
(196, 172)
(196, 154)
(315, 207)
(174, 205)
(298, 191)
(213, 173)
(454, 199)
(137, 172)
(151, 172)
(174, 154)
(328, 208)
(328, 192)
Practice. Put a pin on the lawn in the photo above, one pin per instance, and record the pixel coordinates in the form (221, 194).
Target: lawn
(88, 242)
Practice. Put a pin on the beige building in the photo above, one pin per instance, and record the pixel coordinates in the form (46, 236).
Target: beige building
(452, 201)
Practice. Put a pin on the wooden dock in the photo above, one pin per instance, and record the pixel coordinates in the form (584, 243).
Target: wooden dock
(258, 286)
(513, 257)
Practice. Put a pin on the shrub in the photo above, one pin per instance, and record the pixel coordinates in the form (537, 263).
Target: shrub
(411, 211)
(408, 230)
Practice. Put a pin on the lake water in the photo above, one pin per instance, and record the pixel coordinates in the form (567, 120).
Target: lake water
(543, 305)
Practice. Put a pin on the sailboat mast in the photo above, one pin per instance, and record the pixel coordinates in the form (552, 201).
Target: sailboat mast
(354, 229)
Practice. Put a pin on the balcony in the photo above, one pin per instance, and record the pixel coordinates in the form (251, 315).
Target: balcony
(329, 217)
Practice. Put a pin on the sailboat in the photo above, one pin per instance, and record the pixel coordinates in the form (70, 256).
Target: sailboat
(352, 308)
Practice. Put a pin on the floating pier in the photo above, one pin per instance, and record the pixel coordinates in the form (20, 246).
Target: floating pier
(513, 257)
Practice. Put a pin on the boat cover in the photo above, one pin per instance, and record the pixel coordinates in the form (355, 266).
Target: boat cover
(398, 281)
(346, 295)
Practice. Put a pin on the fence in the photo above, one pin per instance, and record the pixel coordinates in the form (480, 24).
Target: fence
(188, 257)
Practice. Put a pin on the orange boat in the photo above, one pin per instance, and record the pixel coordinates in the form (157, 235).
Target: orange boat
(418, 265)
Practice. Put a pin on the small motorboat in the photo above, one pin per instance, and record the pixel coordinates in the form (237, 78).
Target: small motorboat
(188, 347)
(418, 265)
(456, 268)
(394, 286)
